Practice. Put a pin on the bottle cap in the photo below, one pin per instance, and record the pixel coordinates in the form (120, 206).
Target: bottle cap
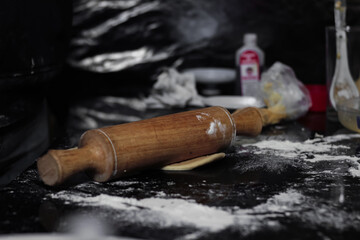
(250, 38)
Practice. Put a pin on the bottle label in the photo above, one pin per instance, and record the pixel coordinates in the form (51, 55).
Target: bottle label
(249, 72)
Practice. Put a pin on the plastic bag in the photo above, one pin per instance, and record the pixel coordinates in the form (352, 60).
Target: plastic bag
(174, 89)
(281, 89)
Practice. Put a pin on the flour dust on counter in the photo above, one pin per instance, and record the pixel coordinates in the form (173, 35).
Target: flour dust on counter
(315, 150)
(177, 212)
(202, 221)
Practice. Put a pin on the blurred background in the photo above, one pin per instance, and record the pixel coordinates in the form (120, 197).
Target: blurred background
(55, 54)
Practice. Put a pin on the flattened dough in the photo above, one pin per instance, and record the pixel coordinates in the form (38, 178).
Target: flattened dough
(194, 163)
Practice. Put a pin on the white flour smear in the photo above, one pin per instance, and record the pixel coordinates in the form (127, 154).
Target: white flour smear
(315, 150)
(181, 213)
(168, 212)
(161, 212)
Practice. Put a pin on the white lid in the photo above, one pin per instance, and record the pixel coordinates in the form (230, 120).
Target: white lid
(250, 38)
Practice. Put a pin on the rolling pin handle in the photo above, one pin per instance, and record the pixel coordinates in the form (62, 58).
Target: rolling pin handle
(58, 165)
(248, 121)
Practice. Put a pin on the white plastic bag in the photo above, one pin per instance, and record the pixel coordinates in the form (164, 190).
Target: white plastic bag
(282, 90)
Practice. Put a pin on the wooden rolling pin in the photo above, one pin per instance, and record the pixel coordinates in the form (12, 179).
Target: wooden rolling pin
(268, 116)
(119, 150)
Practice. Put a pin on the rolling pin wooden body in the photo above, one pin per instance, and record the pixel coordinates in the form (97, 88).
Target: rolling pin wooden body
(114, 151)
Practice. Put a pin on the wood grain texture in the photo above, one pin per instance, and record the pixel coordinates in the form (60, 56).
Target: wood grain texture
(248, 121)
(160, 141)
(125, 149)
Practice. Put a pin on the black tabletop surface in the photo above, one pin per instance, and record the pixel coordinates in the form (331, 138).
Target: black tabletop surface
(297, 180)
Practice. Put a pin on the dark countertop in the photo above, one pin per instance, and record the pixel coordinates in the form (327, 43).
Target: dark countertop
(254, 193)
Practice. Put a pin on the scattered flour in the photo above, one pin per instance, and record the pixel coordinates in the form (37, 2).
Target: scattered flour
(175, 212)
(162, 212)
(215, 125)
(212, 129)
(314, 150)
(124, 183)
(169, 212)
(341, 137)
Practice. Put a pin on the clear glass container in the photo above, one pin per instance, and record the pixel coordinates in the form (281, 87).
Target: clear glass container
(342, 85)
(353, 57)
(349, 114)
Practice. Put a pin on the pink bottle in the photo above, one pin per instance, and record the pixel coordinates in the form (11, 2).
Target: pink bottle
(249, 63)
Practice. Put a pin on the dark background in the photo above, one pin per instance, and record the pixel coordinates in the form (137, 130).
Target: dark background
(38, 36)
(202, 33)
